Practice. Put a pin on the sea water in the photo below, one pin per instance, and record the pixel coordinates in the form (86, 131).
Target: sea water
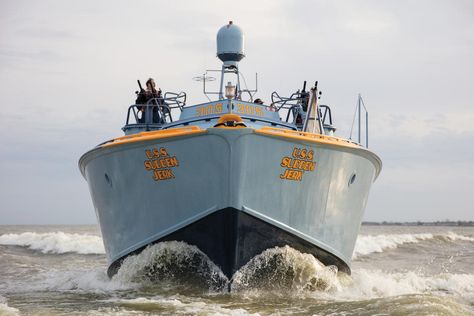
(396, 270)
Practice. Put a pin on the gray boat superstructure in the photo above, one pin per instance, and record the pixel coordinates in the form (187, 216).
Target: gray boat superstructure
(231, 177)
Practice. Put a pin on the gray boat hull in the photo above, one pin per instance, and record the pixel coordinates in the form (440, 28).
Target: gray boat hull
(233, 192)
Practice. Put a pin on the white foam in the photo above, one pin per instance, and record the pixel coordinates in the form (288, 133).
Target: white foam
(367, 244)
(155, 265)
(451, 236)
(169, 261)
(95, 281)
(56, 242)
(284, 269)
(6, 310)
(369, 284)
(163, 259)
(183, 305)
(308, 278)
(92, 280)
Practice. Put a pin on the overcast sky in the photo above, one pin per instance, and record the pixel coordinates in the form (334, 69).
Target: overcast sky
(68, 72)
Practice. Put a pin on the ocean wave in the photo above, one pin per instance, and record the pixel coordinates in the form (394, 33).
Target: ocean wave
(451, 236)
(284, 269)
(368, 244)
(172, 262)
(367, 284)
(182, 305)
(56, 242)
(287, 272)
(176, 267)
(6, 310)
(86, 281)
(60, 242)
(166, 266)
(311, 281)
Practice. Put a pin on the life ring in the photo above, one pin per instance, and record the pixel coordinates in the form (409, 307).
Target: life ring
(230, 120)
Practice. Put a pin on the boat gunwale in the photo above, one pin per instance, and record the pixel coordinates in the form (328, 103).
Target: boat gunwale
(296, 136)
(325, 141)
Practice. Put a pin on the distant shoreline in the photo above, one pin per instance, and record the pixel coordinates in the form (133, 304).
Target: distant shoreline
(364, 223)
(420, 223)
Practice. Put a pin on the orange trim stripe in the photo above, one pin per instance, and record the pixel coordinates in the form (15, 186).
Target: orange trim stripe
(311, 137)
(165, 133)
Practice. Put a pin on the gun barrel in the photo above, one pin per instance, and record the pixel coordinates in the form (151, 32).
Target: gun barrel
(140, 85)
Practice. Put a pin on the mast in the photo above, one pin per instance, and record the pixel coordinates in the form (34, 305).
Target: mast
(230, 50)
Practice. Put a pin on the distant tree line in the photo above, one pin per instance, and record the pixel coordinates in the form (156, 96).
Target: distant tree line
(420, 223)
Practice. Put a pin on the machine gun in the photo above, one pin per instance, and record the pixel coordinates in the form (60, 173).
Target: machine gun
(141, 88)
(140, 85)
(304, 95)
(141, 95)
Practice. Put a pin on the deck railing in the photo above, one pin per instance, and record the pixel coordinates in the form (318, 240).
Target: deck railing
(156, 110)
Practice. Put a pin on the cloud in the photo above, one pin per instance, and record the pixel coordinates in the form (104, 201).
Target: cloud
(69, 71)
(35, 55)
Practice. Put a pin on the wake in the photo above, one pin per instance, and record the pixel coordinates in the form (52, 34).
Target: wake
(176, 267)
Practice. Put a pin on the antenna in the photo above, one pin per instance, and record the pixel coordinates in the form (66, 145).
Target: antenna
(230, 50)
(203, 78)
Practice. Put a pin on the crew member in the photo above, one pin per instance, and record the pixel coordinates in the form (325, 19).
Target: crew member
(150, 96)
(258, 101)
(151, 92)
(154, 95)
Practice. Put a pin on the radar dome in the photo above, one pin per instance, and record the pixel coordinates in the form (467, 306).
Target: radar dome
(230, 44)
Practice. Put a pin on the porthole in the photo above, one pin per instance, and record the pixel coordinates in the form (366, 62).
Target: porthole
(352, 179)
(107, 179)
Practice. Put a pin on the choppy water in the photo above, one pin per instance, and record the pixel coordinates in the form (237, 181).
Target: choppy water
(396, 271)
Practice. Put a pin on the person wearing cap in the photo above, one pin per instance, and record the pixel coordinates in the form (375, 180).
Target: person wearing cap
(258, 101)
(151, 91)
(144, 98)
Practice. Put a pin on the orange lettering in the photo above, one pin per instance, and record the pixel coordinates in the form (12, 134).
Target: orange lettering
(285, 162)
(295, 152)
(303, 153)
(148, 165)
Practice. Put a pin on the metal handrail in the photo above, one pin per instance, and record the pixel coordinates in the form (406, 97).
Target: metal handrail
(293, 103)
(179, 99)
(326, 114)
(293, 100)
(358, 113)
(161, 106)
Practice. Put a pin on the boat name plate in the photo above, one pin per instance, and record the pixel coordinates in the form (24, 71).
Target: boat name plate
(300, 161)
(160, 163)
